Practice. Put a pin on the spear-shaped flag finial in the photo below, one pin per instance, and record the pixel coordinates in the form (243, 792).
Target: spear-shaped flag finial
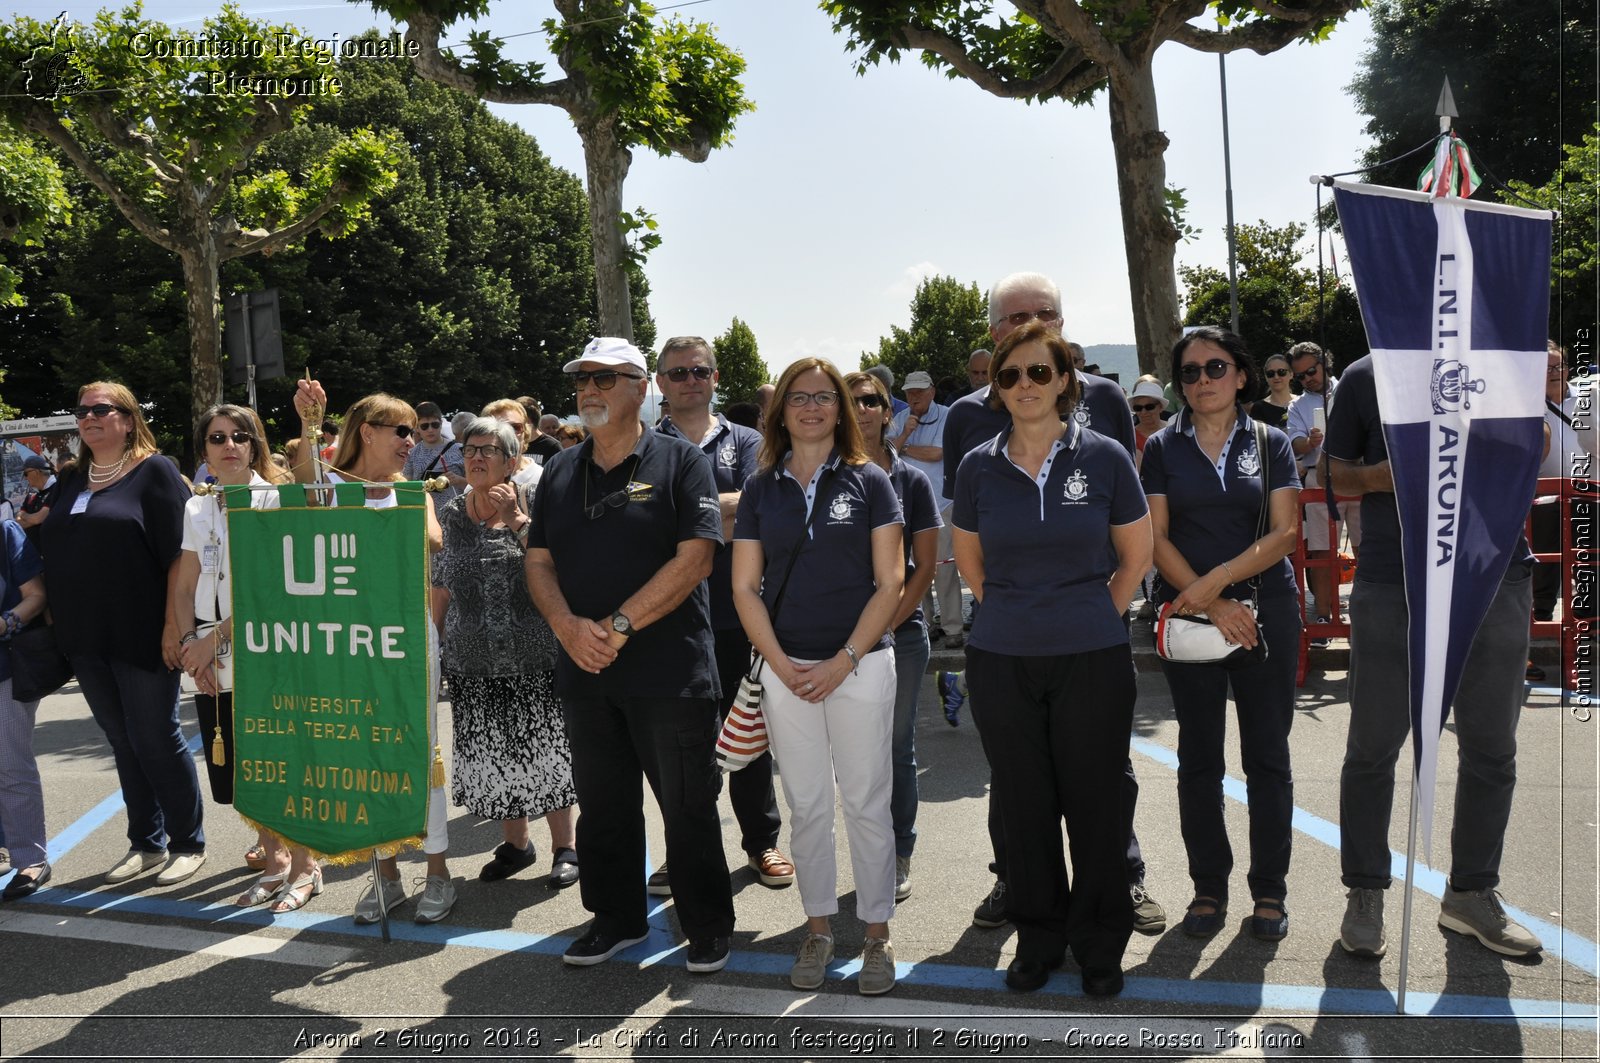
(1446, 107)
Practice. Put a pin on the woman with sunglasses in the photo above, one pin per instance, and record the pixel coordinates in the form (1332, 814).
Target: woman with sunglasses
(1148, 400)
(232, 442)
(375, 438)
(920, 509)
(511, 757)
(1052, 535)
(1204, 476)
(819, 523)
(110, 544)
(1272, 409)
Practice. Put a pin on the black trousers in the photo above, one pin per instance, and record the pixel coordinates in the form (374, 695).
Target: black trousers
(1055, 730)
(670, 742)
(211, 712)
(750, 790)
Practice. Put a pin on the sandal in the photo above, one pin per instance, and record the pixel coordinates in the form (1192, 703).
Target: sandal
(255, 857)
(1205, 924)
(1266, 927)
(265, 888)
(300, 893)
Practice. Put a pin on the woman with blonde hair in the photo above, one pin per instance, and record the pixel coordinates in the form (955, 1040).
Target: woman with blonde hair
(818, 569)
(527, 471)
(109, 544)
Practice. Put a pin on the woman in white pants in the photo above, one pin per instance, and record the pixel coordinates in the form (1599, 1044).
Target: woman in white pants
(817, 573)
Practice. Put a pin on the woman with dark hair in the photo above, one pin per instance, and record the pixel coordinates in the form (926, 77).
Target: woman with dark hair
(109, 545)
(1272, 409)
(1204, 475)
(818, 569)
(1052, 535)
(870, 399)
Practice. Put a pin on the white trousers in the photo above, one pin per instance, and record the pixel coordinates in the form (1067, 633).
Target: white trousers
(846, 738)
(436, 838)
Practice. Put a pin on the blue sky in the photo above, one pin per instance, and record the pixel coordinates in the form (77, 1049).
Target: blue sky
(840, 192)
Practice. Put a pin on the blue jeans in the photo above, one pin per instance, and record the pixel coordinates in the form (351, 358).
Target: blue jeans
(137, 708)
(911, 652)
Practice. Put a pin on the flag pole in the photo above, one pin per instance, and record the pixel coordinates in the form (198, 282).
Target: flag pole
(1405, 905)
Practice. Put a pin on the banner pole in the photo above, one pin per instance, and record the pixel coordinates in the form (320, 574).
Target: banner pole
(377, 888)
(1405, 907)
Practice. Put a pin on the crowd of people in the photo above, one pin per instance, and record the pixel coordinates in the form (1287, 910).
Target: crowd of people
(595, 601)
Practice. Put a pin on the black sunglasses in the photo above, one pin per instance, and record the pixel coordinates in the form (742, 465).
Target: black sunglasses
(1277, 372)
(679, 373)
(426, 425)
(401, 430)
(1038, 372)
(604, 379)
(871, 401)
(1146, 407)
(1216, 369)
(99, 409)
(1313, 371)
(239, 439)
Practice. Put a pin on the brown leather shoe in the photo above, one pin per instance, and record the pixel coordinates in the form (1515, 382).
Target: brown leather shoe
(773, 868)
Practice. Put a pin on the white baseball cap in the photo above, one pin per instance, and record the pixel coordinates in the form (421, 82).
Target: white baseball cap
(917, 380)
(1149, 389)
(608, 350)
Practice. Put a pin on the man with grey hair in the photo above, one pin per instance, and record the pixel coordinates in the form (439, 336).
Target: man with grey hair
(624, 530)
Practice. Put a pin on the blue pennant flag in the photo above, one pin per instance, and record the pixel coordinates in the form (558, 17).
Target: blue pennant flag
(1455, 296)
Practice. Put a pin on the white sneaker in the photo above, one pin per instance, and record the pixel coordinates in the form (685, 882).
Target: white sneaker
(180, 867)
(394, 895)
(137, 862)
(438, 897)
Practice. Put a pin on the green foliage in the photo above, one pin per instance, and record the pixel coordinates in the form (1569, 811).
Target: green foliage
(639, 228)
(949, 320)
(33, 200)
(739, 364)
(1178, 213)
(1574, 280)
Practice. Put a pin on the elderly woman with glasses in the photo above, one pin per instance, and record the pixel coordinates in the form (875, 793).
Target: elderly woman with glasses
(512, 760)
(818, 568)
(109, 545)
(1052, 535)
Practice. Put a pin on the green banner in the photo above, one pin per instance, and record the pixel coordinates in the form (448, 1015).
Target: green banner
(331, 669)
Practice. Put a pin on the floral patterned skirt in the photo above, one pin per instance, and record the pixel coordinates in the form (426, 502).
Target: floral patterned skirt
(511, 752)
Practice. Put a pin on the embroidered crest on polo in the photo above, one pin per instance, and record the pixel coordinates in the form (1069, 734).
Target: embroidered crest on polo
(1077, 487)
(1249, 462)
(1081, 415)
(1452, 386)
(727, 455)
(839, 510)
(638, 492)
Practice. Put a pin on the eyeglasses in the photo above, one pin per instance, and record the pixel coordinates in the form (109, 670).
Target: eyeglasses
(1216, 369)
(1313, 371)
(1146, 407)
(1277, 372)
(428, 426)
(488, 450)
(871, 401)
(615, 500)
(99, 409)
(217, 439)
(679, 373)
(401, 430)
(1022, 317)
(798, 399)
(1039, 372)
(604, 379)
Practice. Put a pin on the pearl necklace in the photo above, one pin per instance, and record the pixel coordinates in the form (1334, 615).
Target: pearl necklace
(116, 470)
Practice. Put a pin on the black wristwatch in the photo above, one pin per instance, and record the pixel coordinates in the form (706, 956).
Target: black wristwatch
(621, 625)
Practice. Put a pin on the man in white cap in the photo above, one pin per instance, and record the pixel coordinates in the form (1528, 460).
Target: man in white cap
(918, 437)
(624, 529)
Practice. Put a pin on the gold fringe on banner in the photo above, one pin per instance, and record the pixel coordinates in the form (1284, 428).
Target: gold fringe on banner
(349, 857)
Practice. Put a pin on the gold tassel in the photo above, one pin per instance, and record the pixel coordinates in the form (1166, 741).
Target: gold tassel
(219, 752)
(436, 773)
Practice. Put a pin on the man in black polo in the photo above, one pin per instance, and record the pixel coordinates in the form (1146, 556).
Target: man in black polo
(623, 533)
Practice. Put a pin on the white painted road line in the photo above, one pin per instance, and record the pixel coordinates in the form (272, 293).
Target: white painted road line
(176, 939)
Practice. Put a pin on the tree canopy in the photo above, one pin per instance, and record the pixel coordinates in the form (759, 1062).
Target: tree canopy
(739, 364)
(949, 320)
(1575, 282)
(33, 200)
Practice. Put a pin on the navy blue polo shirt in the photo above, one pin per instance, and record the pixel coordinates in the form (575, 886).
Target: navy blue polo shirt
(732, 449)
(919, 508)
(1355, 434)
(832, 579)
(1046, 543)
(1212, 513)
(970, 422)
(600, 562)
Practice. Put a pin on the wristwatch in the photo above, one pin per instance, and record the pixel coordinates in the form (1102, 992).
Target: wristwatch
(621, 625)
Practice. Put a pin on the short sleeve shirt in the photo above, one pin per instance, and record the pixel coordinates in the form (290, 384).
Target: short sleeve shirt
(928, 433)
(832, 579)
(732, 450)
(205, 534)
(491, 627)
(1303, 418)
(1212, 514)
(21, 564)
(919, 507)
(660, 495)
(450, 458)
(1046, 543)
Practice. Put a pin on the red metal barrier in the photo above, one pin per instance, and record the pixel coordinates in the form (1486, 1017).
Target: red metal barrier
(1338, 626)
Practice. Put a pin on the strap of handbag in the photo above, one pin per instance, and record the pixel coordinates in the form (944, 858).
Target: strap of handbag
(1266, 501)
(437, 458)
(783, 585)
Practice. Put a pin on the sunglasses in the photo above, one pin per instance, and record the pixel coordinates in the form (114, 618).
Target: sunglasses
(871, 401)
(1313, 371)
(604, 379)
(798, 399)
(238, 439)
(678, 374)
(1146, 407)
(1216, 369)
(1038, 372)
(402, 430)
(426, 426)
(99, 409)
(1277, 372)
(615, 500)
(1022, 317)
(488, 450)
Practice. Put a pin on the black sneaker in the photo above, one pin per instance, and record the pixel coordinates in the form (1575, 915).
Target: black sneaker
(992, 912)
(660, 883)
(508, 860)
(707, 955)
(596, 946)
